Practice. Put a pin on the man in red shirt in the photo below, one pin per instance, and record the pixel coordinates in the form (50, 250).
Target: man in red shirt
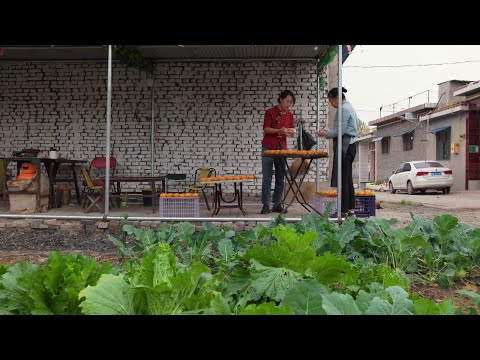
(277, 125)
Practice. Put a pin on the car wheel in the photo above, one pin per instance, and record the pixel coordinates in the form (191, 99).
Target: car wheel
(410, 188)
(392, 190)
(446, 191)
(423, 191)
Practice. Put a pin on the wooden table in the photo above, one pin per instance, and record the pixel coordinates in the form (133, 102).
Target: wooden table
(51, 166)
(218, 197)
(117, 193)
(294, 183)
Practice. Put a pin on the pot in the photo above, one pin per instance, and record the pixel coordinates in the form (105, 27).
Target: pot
(53, 154)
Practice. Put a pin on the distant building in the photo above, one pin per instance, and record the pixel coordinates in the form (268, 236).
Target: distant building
(448, 132)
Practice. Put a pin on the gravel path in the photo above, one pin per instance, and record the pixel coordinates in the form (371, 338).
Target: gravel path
(34, 245)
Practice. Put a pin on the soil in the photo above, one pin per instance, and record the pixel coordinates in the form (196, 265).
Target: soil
(35, 245)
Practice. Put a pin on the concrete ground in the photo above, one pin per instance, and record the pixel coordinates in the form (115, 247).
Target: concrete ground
(454, 200)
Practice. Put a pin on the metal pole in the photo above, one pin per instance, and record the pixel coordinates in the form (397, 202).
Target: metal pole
(317, 146)
(153, 128)
(106, 185)
(428, 96)
(339, 137)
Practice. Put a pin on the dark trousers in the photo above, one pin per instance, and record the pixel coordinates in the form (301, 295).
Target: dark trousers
(348, 191)
(267, 171)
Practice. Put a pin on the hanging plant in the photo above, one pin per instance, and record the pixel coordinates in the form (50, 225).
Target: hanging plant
(132, 57)
(322, 65)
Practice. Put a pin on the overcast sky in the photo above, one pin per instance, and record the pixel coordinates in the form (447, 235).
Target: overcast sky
(372, 88)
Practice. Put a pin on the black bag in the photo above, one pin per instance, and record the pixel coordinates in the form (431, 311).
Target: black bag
(307, 141)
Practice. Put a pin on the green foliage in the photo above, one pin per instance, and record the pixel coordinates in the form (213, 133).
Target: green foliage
(267, 308)
(159, 287)
(305, 298)
(273, 282)
(51, 289)
(400, 303)
(132, 57)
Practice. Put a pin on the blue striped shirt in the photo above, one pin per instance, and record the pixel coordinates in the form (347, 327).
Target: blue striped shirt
(349, 123)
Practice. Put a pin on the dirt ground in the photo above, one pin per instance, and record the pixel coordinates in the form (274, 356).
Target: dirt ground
(35, 245)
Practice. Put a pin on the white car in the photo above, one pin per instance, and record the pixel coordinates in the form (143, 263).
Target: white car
(421, 175)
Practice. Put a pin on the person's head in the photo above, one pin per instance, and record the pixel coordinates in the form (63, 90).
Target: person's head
(333, 96)
(286, 99)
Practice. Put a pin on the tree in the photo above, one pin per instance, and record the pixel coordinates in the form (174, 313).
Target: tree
(362, 127)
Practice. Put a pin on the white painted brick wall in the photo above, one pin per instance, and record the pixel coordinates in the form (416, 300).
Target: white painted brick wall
(206, 114)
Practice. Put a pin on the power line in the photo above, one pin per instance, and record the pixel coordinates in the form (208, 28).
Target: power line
(411, 65)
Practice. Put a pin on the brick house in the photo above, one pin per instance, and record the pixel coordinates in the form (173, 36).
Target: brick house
(209, 103)
(448, 132)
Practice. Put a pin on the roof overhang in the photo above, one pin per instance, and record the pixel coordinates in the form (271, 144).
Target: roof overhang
(365, 137)
(403, 133)
(444, 111)
(434, 131)
(469, 89)
(171, 52)
(384, 120)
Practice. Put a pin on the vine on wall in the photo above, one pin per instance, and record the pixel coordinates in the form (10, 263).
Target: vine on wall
(322, 65)
(132, 57)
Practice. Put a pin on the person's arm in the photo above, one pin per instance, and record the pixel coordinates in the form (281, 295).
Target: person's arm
(345, 117)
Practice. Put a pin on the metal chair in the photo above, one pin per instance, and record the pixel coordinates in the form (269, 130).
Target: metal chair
(175, 177)
(197, 187)
(93, 193)
(100, 163)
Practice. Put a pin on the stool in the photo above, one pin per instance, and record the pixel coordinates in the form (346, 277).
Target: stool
(175, 177)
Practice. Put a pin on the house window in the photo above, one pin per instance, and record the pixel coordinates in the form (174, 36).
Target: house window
(408, 141)
(443, 144)
(386, 145)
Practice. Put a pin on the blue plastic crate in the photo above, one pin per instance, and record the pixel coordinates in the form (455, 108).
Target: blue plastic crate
(365, 206)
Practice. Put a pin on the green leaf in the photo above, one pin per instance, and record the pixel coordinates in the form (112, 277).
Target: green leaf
(237, 282)
(22, 291)
(339, 304)
(446, 307)
(400, 305)
(272, 282)
(445, 222)
(225, 247)
(305, 298)
(65, 276)
(266, 308)
(426, 306)
(346, 233)
(157, 267)
(219, 306)
(329, 268)
(363, 300)
(111, 296)
(473, 295)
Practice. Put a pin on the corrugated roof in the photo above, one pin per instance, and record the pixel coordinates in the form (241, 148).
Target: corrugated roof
(169, 52)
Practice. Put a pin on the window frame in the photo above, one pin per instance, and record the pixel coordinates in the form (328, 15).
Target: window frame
(408, 141)
(444, 140)
(386, 140)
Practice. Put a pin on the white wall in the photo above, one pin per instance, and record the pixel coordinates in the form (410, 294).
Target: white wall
(207, 114)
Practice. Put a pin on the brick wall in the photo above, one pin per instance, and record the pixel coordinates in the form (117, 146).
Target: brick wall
(206, 114)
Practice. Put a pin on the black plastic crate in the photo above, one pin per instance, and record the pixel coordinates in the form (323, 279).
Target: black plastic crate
(365, 206)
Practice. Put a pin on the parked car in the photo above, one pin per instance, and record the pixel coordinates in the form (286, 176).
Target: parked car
(421, 175)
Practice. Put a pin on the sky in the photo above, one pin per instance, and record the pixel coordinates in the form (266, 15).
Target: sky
(368, 89)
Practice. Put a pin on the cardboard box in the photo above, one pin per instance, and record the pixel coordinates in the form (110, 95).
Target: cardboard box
(27, 203)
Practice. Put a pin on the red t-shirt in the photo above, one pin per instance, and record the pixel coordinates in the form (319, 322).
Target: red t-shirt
(275, 119)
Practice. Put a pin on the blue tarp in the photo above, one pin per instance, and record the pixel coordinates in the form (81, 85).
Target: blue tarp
(439, 129)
